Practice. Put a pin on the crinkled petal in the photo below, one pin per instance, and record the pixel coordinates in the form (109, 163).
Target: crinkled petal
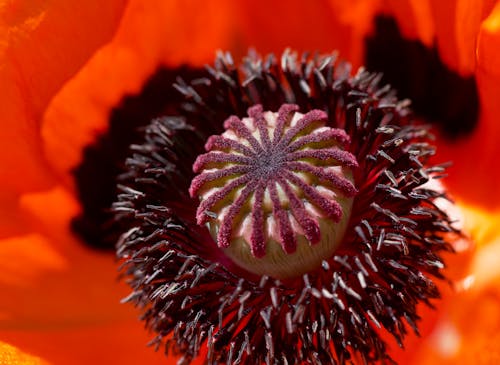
(49, 279)
(63, 299)
(474, 175)
(469, 15)
(452, 26)
(121, 343)
(150, 34)
(42, 45)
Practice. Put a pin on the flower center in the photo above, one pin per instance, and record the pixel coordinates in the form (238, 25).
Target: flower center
(276, 190)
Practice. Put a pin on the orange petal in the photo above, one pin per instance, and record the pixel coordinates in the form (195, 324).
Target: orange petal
(474, 176)
(42, 44)
(414, 18)
(468, 330)
(10, 355)
(465, 328)
(488, 55)
(451, 25)
(444, 19)
(457, 25)
(11, 220)
(150, 34)
(23, 261)
(49, 288)
(61, 301)
(479, 224)
(469, 15)
(50, 279)
(122, 343)
(457, 271)
(323, 26)
(356, 21)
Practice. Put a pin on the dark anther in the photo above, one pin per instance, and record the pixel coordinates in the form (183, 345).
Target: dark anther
(199, 302)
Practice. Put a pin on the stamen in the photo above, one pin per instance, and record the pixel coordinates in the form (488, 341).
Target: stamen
(323, 232)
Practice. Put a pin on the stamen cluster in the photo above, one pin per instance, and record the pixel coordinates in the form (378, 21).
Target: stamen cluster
(201, 305)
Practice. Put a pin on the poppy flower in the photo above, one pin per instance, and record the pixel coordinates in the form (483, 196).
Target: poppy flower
(66, 70)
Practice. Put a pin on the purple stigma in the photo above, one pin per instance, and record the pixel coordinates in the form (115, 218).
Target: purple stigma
(273, 176)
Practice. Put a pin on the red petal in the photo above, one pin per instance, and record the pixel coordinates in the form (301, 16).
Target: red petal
(49, 278)
(123, 343)
(414, 18)
(40, 49)
(475, 174)
(150, 34)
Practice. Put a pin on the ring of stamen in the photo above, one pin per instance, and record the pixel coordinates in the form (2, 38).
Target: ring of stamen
(203, 307)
